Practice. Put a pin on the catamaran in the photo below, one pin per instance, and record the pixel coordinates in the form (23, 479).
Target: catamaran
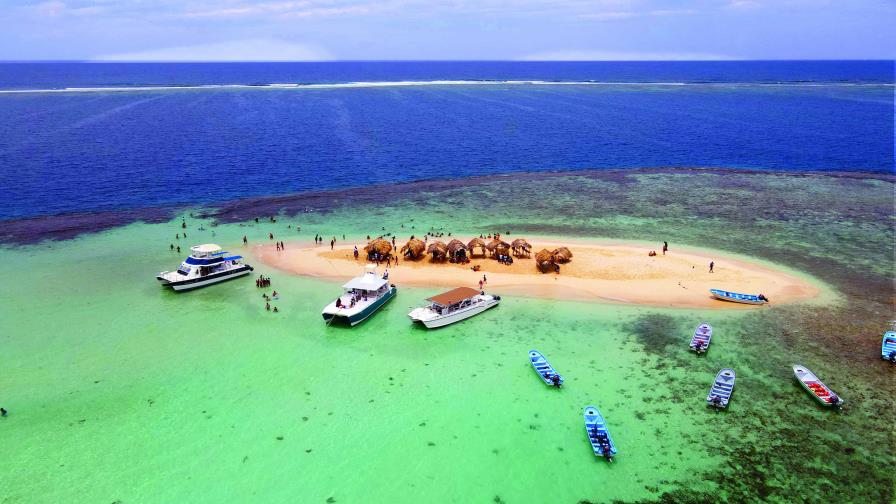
(206, 265)
(360, 298)
(453, 306)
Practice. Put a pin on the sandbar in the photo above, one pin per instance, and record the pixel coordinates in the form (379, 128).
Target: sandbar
(603, 272)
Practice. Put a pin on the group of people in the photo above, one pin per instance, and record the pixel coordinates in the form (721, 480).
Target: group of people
(267, 299)
(280, 245)
(603, 440)
(504, 259)
(172, 248)
(553, 378)
(262, 281)
(356, 297)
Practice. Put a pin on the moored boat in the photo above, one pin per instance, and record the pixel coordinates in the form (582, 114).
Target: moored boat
(598, 434)
(736, 297)
(701, 339)
(544, 369)
(888, 346)
(821, 392)
(360, 298)
(721, 390)
(206, 265)
(453, 306)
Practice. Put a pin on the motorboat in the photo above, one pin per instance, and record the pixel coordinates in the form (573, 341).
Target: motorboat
(361, 297)
(206, 265)
(453, 306)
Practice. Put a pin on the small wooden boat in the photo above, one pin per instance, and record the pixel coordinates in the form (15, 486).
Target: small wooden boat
(721, 390)
(544, 369)
(821, 392)
(701, 339)
(734, 297)
(598, 435)
(888, 347)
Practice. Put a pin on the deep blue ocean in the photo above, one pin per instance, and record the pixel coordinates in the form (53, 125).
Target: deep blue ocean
(82, 137)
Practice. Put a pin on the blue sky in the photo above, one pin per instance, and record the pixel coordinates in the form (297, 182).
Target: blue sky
(459, 29)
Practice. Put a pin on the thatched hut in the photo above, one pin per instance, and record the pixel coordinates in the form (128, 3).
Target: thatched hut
(562, 255)
(413, 249)
(521, 247)
(437, 251)
(495, 243)
(457, 251)
(477, 243)
(544, 261)
(378, 249)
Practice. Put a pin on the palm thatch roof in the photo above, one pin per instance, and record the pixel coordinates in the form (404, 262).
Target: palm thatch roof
(455, 245)
(477, 243)
(494, 243)
(380, 246)
(544, 260)
(502, 248)
(413, 249)
(437, 250)
(562, 255)
(520, 243)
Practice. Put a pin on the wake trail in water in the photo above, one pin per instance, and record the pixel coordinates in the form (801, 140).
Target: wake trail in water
(385, 84)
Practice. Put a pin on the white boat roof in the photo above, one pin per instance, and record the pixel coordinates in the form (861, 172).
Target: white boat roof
(208, 248)
(369, 281)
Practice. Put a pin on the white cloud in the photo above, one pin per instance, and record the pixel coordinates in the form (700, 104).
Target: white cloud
(237, 50)
(614, 15)
(743, 4)
(589, 55)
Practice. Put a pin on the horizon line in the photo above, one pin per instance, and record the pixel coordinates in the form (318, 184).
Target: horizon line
(733, 60)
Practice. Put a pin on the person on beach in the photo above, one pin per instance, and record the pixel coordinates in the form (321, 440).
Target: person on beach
(665, 247)
(332, 243)
(282, 246)
(711, 265)
(277, 244)
(356, 252)
(480, 285)
(484, 280)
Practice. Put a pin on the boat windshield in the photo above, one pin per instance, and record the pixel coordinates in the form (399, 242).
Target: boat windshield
(184, 269)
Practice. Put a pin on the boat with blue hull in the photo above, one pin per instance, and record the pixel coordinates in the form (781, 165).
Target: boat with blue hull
(720, 393)
(545, 371)
(736, 297)
(206, 265)
(361, 297)
(888, 347)
(598, 434)
(701, 339)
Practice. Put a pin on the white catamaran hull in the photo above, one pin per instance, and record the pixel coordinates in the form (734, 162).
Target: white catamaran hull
(455, 316)
(189, 285)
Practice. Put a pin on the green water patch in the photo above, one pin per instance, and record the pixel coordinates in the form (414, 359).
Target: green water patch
(119, 390)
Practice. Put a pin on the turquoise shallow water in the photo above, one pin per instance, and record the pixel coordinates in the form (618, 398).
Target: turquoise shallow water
(121, 391)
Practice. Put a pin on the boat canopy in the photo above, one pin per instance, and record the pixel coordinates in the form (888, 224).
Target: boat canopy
(233, 258)
(368, 282)
(208, 248)
(454, 296)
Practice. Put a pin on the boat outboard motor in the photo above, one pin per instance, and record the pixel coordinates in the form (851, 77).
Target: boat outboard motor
(555, 379)
(893, 356)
